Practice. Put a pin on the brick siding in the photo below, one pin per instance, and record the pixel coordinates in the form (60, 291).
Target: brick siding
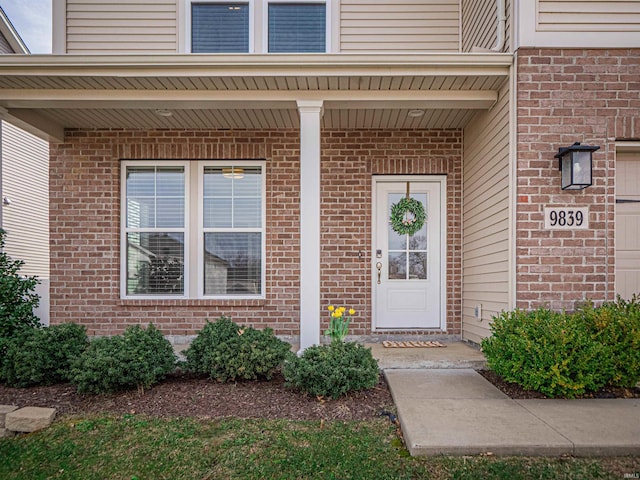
(85, 222)
(567, 96)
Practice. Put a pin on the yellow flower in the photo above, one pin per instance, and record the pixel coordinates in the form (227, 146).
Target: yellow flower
(352, 311)
(341, 309)
(336, 314)
(331, 308)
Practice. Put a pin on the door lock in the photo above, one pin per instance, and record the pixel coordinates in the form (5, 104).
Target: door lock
(379, 267)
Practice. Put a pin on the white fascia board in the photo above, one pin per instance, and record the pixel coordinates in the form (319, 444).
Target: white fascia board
(220, 65)
(262, 99)
(11, 34)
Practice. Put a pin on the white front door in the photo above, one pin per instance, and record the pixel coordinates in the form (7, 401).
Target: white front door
(408, 271)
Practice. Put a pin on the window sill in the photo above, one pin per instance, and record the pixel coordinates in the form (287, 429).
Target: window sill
(193, 302)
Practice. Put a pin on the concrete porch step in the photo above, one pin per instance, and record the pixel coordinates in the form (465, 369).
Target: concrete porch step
(453, 355)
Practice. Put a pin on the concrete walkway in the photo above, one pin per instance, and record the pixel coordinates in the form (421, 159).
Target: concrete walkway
(458, 412)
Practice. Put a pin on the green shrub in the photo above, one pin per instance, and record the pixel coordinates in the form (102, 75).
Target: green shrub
(139, 358)
(547, 351)
(616, 325)
(43, 356)
(225, 351)
(17, 299)
(332, 370)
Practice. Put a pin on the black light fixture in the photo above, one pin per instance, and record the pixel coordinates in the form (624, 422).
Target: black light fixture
(575, 165)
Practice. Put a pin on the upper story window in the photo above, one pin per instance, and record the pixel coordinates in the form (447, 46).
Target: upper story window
(275, 26)
(297, 27)
(219, 27)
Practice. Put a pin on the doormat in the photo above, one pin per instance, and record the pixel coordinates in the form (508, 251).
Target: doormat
(390, 344)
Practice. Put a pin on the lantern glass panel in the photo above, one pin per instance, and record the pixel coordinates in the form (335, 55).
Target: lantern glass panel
(582, 168)
(566, 170)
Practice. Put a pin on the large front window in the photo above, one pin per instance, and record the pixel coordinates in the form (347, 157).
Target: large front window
(222, 253)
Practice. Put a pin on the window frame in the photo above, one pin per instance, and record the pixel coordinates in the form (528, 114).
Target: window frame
(259, 16)
(124, 230)
(193, 229)
(201, 230)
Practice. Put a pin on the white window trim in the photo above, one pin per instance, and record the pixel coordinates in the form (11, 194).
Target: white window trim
(258, 16)
(187, 24)
(201, 230)
(194, 237)
(124, 230)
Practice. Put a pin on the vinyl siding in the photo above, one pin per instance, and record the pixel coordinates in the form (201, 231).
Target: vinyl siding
(485, 242)
(4, 45)
(405, 25)
(138, 26)
(589, 16)
(25, 163)
(479, 24)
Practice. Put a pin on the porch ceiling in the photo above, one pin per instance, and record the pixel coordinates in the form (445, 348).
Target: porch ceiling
(46, 94)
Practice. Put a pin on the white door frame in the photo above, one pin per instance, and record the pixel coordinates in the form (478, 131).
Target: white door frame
(442, 180)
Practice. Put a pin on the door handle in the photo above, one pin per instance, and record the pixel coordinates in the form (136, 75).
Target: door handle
(379, 267)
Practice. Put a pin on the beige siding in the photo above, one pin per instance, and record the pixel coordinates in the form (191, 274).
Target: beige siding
(405, 25)
(4, 45)
(136, 26)
(480, 25)
(627, 224)
(25, 163)
(589, 16)
(485, 243)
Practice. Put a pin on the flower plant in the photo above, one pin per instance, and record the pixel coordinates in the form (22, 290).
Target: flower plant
(339, 320)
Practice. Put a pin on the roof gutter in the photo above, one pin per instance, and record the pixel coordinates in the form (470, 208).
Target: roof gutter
(187, 64)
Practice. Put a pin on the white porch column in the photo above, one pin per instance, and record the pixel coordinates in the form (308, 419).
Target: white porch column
(310, 115)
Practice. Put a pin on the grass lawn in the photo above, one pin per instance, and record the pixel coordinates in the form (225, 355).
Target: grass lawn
(136, 447)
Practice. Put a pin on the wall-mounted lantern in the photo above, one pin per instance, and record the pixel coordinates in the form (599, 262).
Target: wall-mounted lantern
(575, 165)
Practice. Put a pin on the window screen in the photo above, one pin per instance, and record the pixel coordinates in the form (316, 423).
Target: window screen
(297, 27)
(219, 28)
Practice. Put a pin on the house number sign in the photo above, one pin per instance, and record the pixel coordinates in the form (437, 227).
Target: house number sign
(566, 218)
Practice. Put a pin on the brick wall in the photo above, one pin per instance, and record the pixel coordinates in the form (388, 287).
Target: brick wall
(567, 96)
(85, 222)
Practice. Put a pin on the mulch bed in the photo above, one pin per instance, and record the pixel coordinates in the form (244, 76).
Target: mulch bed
(182, 395)
(515, 391)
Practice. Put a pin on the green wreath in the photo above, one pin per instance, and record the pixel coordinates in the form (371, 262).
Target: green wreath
(407, 224)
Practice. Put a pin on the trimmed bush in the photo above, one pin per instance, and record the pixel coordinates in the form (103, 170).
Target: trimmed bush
(43, 356)
(225, 351)
(616, 325)
(17, 299)
(547, 351)
(332, 370)
(137, 359)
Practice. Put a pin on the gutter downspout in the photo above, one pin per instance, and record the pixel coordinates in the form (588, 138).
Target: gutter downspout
(501, 19)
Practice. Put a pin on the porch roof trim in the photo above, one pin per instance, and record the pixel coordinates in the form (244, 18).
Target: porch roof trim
(47, 93)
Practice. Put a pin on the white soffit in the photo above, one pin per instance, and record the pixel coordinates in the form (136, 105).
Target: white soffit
(255, 91)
